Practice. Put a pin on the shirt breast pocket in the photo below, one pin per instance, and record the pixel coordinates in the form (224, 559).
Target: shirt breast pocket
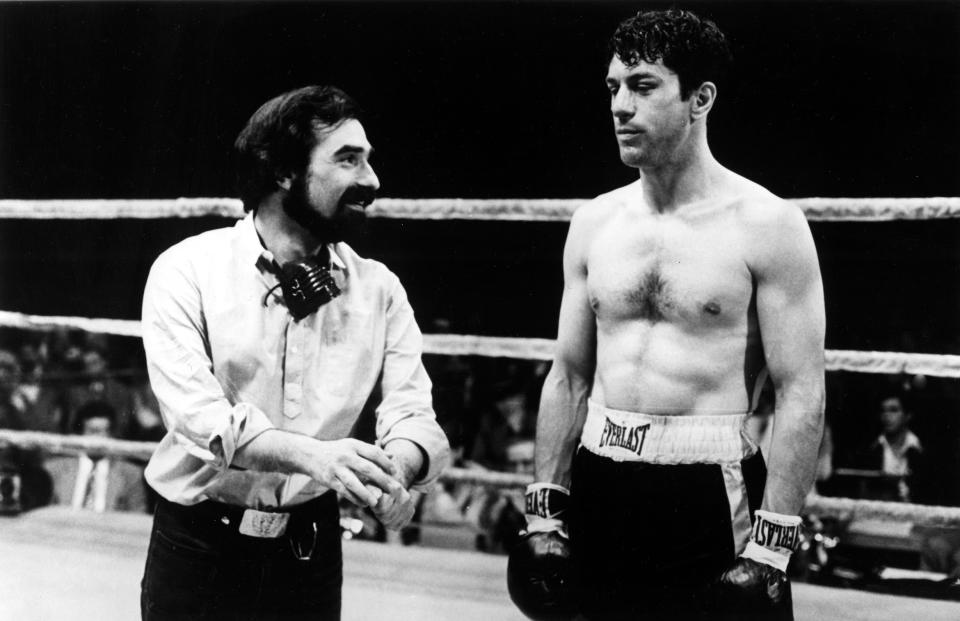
(347, 359)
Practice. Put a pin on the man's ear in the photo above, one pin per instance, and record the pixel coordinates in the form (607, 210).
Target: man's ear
(284, 181)
(701, 101)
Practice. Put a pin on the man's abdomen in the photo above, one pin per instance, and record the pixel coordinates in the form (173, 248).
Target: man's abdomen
(661, 369)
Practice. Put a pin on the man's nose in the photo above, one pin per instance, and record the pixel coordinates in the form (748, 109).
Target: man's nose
(369, 178)
(621, 105)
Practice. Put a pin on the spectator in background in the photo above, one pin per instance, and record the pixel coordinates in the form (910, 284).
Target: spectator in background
(62, 368)
(97, 482)
(97, 383)
(504, 442)
(31, 373)
(24, 484)
(897, 451)
(147, 425)
(13, 408)
(504, 424)
(77, 372)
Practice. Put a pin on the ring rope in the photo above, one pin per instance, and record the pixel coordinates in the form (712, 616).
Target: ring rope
(823, 506)
(117, 327)
(934, 365)
(511, 209)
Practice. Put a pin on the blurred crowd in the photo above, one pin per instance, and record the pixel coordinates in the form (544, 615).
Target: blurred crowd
(892, 438)
(76, 383)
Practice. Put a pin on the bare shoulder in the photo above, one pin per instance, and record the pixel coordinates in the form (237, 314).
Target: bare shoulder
(763, 212)
(777, 230)
(590, 218)
(600, 210)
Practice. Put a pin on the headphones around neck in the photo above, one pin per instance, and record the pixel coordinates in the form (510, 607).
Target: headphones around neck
(306, 285)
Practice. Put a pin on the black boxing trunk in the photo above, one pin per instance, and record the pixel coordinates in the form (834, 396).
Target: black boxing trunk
(660, 506)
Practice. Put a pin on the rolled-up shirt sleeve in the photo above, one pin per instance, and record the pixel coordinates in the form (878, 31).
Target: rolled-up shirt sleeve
(406, 409)
(194, 405)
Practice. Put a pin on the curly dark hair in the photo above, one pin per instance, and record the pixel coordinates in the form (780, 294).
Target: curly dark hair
(693, 47)
(279, 137)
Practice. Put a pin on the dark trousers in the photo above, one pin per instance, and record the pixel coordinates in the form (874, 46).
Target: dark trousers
(650, 539)
(200, 567)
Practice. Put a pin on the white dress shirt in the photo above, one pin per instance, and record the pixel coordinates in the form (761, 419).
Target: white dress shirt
(227, 362)
(895, 460)
(90, 489)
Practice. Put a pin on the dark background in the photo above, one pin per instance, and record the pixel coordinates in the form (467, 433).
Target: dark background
(483, 99)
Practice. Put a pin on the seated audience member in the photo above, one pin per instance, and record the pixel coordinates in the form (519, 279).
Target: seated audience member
(95, 382)
(147, 424)
(97, 482)
(24, 484)
(503, 443)
(30, 354)
(897, 452)
(13, 414)
(507, 423)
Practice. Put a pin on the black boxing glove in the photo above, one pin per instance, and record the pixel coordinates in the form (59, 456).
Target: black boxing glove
(757, 581)
(541, 577)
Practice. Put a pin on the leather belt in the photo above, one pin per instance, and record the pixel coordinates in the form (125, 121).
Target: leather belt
(263, 524)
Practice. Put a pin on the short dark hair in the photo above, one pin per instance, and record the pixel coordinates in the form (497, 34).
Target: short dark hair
(280, 135)
(904, 397)
(693, 47)
(94, 409)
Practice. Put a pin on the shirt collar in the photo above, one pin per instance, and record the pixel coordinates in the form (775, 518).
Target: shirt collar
(251, 250)
(911, 441)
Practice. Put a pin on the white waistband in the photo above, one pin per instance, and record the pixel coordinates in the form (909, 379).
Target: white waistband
(682, 439)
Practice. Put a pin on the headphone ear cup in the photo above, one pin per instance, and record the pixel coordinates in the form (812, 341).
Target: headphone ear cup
(306, 286)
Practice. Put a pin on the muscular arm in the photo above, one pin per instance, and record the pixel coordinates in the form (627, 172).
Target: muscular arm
(563, 403)
(792, 325)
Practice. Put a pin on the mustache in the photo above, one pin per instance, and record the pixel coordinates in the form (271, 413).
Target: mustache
(358, 194)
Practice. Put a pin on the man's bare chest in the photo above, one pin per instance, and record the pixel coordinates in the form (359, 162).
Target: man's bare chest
(693, 275)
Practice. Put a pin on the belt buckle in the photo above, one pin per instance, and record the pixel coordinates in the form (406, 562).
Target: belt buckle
(263, 524)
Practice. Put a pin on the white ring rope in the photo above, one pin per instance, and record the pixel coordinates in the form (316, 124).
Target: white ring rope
(822, 506)
(118, 327)
(511, 209)
(934, 365)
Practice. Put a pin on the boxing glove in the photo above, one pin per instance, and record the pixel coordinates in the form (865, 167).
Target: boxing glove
(757, 581)
(541, 576)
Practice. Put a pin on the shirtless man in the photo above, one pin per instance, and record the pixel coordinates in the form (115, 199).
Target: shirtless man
(684, 292)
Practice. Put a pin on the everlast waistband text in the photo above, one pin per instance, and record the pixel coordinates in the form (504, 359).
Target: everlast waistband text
(630, 438)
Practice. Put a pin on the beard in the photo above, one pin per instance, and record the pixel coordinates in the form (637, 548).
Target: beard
(348, 222)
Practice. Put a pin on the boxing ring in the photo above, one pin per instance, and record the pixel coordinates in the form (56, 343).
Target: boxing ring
(64, 564)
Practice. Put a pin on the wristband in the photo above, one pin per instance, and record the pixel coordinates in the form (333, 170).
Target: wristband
(773, 539)
(545, 507)
(546, 500)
